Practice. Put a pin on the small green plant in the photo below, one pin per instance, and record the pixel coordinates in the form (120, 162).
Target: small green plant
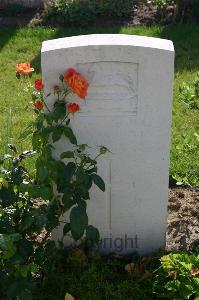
(85, 12)
(189, 93)
(186, 147)
(179, 276)
(20, 220)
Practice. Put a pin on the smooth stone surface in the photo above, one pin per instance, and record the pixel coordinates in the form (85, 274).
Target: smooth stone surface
(128, 110)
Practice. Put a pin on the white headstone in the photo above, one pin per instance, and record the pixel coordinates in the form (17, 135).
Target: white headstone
(128, 110)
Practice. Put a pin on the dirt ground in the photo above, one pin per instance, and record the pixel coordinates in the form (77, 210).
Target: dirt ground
(183, 219)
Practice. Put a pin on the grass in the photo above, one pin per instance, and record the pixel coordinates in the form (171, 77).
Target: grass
(23, 44)
(94, 277)
(99, 278)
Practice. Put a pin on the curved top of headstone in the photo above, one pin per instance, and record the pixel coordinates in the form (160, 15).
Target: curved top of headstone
(107, 40)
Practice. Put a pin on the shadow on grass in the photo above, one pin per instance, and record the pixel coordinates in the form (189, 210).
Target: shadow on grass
(186, 43)
(184, 37)
(6, 33)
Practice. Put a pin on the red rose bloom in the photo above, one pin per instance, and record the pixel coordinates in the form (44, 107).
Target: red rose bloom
(73, 107)
(39, 85)
(77, 83)
(38, 104)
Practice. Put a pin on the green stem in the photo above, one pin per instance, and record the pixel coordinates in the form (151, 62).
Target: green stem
(47, 106)
(64, 119)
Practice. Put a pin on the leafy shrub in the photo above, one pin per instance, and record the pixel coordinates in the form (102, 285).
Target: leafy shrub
(20, 221)
(189, 93)
(72, 11)
(75, 171)
(116, 8)
(13, 9)
(179, 276)
(185, 147)
(29, 205)
(86, 11)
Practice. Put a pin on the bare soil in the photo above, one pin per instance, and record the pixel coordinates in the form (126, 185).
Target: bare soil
(183, 219)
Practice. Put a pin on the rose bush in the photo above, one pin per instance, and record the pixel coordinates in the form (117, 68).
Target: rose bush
(31, 204)
(75, 172)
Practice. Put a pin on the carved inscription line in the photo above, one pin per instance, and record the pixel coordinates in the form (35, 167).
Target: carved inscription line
(109, 198)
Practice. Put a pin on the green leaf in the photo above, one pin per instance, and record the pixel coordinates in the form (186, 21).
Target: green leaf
(12, 148)
(18, 175)
(26, 222)
(70, 135)
(83, 190)
(81, 176)
(98, 181)
(59, 111)
(7, 196)
(67, 201)
(42, 171)
(65, 172)
(25, 249)
(6, 156)
(67, 154)
(82, 203)
(7, 243)
(82, 147)
(37, 191)
(92, 233)
(57, 133)
(27, 153)
(36, 140)
(12, 237)
(66, 228)
(78, 222)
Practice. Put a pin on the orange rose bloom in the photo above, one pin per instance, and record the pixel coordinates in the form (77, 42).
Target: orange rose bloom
(77, 83)
(24, 68)
(73, 107)
(38, 104)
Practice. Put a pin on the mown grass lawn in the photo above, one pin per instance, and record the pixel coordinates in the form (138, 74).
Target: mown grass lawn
(23, 44)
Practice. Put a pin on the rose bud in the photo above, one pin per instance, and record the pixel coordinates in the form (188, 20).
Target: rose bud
(38, 104)
(73, 107)
(39, 85)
